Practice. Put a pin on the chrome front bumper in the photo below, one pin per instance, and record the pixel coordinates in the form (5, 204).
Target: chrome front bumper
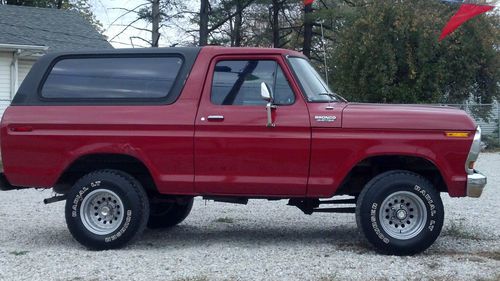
(475, 184)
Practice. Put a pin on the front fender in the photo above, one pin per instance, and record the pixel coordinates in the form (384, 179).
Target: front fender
(335, 152)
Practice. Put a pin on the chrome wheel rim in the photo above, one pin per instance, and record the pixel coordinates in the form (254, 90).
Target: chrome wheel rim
(403, 215)
(101, 212)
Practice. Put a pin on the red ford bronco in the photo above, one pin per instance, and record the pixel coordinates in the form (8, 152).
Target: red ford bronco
(129, 137)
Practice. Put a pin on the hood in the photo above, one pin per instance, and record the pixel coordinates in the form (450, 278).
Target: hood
(416, 117)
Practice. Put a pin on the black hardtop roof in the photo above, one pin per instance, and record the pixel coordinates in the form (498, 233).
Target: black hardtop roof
(171, 50)
(178, 50)
(28, 93)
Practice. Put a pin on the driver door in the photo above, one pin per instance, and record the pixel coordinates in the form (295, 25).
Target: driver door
(235, 152)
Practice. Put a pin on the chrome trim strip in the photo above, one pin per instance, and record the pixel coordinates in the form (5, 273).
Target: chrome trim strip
(215, 117)
(474, 151)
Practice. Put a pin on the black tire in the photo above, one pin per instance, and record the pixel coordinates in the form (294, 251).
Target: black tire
(168, 214)
(129, 219)
(380, 222)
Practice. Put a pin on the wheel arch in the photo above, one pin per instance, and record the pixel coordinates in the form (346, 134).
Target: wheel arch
(371, 166)
(87, 163)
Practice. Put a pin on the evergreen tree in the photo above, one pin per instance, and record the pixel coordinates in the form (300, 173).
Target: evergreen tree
(388, 52)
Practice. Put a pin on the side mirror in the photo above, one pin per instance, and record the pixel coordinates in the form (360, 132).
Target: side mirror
(266, 95)
(265, 92)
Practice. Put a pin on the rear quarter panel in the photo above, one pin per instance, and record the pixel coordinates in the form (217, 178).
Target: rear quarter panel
(62, 134)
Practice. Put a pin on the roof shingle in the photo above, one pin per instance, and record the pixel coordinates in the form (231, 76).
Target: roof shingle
(60, 30)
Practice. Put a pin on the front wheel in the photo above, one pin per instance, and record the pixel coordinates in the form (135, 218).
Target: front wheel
(106, 209)
(400, 213)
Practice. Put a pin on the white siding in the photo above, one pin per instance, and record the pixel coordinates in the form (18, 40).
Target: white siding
(3, 106)
(5, 61)
(24, 67)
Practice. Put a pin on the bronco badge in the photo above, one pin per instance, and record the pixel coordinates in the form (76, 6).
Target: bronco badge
(325, 118)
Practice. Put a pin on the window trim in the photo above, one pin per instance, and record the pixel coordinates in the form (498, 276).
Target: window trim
(167, 99)
(247, 58)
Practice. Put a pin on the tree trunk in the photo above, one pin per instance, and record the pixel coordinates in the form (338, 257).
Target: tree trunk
(203, 23)
(231, 31)
(238, 21)
(155, 38)
(59, 4)
(308, 28)
(275, 23)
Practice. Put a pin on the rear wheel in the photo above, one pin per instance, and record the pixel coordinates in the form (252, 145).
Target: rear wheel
(106, 209)
(400, 213)
(168, 214)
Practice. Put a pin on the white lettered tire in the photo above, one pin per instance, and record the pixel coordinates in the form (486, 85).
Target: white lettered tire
(106, 209)
(400, 213)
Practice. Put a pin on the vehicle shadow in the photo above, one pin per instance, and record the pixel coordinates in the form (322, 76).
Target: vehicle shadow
(192, 236)
(201, 238)
(186, 236)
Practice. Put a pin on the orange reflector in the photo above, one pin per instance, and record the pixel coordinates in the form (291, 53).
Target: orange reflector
(457, 134)
(471, 165)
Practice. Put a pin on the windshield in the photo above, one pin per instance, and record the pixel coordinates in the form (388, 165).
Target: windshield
(312, 84)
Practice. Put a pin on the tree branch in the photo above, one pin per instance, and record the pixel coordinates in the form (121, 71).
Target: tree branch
(134, 27)
(140, 38)
(126, 27)
(220, 23)
(128, 11)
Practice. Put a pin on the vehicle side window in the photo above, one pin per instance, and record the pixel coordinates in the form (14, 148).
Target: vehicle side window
(112, 78)
(237, 82)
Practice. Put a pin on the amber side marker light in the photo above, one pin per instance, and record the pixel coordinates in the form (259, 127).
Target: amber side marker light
(457, 134)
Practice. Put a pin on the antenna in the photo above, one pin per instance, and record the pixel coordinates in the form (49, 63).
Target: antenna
(324, 51)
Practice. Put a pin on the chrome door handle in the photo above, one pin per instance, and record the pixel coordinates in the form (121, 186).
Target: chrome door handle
(215, 118)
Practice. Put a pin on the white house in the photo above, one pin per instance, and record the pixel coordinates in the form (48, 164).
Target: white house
(15, 62)
(26, 33)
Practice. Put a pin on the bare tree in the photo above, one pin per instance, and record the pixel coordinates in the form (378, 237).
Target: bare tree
(157, 13)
